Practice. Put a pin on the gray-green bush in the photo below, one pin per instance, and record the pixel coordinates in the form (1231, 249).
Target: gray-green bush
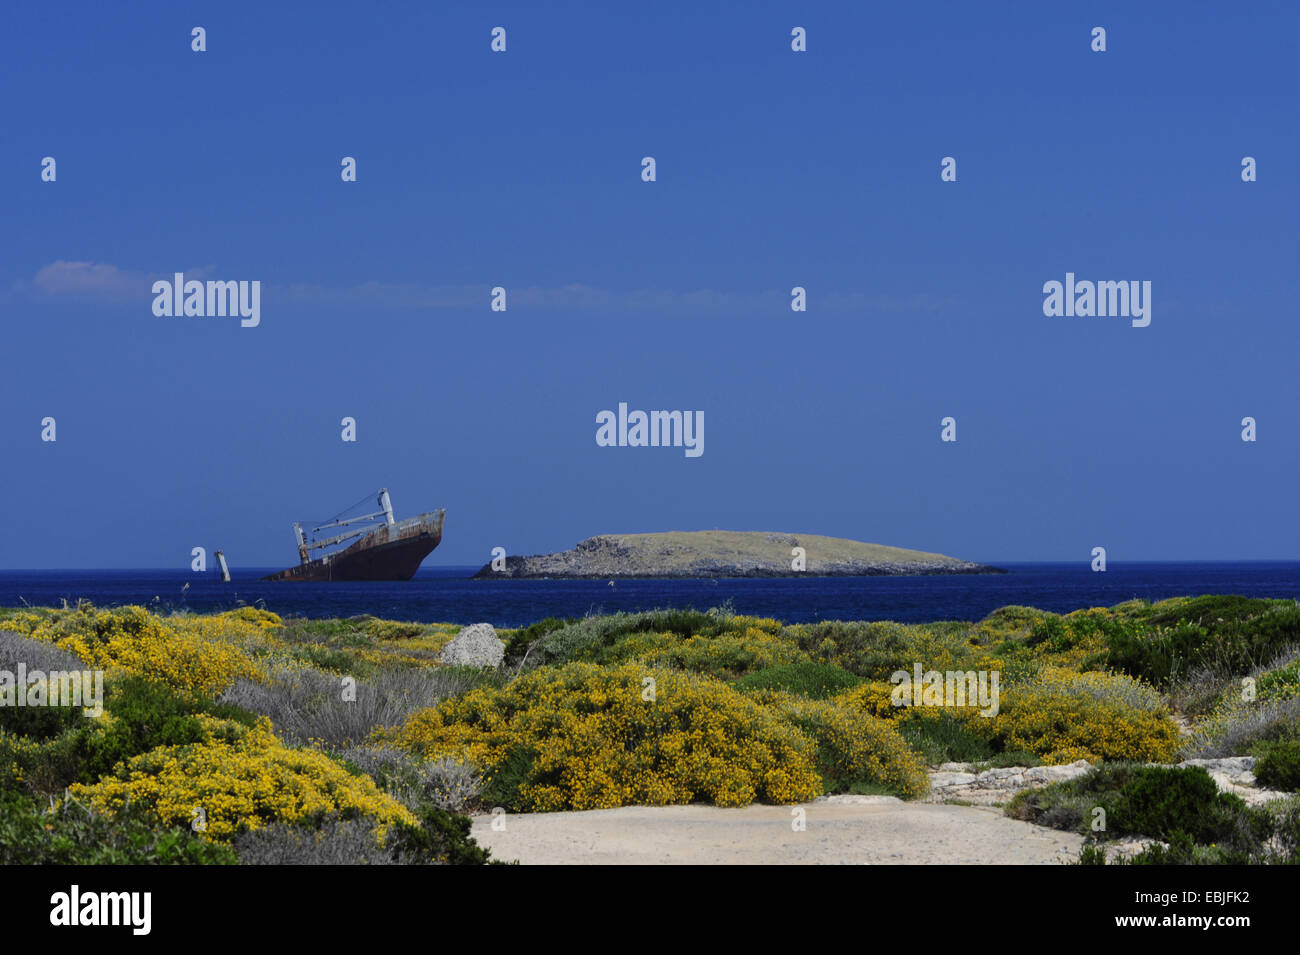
(308, 706)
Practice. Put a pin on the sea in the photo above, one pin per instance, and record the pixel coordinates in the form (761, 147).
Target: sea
(449, 595)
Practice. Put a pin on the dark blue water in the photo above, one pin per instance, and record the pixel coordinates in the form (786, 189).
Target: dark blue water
(445, 594)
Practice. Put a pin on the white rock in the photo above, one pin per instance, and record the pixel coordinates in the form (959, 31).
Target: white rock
(475, 646)
(851, 799)
(1041, 775)
(942, 780)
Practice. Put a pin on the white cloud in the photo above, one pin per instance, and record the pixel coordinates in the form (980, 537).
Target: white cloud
(90, 280)
(101, 282)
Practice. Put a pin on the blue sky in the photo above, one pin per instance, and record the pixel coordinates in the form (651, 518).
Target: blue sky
(775, 169)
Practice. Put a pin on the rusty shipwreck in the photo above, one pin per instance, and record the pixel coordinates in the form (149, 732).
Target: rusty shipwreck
(387, 549)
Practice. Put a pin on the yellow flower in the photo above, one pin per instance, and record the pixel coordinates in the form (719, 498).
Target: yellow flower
(241, 779)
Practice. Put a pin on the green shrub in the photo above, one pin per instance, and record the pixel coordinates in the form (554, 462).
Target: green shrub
(40, 722)
(394, 629)
(817, 681)
(73, 835)
(1183, 850)
(726, 656)
(870, 649)
(1180, 850)
(585, 639)
(502, 787)
(1092, 855)
(1224, 634)
(1279, 766)
(440, 838)
(518, 642)
(1160, 801)
(1013, 620)
(1282, 680)
(145, 715)
(1157, 657)
(1153, 801)
(942, 738)
(1050, 630)
(44, 767)
(1264, 835)
(325, 658)
(139, 715)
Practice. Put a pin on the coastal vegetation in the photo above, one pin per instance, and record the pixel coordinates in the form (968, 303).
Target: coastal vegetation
(1187, 819)
(242, 736)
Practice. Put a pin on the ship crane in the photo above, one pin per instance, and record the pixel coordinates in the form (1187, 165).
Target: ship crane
(305, 548)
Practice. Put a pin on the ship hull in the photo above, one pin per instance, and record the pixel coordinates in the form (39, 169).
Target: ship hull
(390, 552)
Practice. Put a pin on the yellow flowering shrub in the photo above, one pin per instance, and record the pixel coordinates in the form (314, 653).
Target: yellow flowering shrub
(1060, 716)
(1063, 716)
(1012, 622)
(1280, 683)
(25, 621)
(21, 754)
(1080, 635)
(877, 699)
(936, 649)
(874, 699)
(875, 649)
(600, 739)
(242, 778)
(1031, 639)
(726, 654)
(263, 620)
(246, 627)
(852, 746)
(179, 654)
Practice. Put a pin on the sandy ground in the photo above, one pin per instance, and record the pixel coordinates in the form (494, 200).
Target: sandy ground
(845, 830)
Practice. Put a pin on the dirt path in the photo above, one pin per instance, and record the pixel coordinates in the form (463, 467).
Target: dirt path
(850, 830)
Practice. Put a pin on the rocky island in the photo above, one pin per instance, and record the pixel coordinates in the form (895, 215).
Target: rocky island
(729, 554)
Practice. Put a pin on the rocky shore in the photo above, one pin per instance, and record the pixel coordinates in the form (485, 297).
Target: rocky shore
(729, 554)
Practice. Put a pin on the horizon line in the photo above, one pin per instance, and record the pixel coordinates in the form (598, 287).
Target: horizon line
(990, 563)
